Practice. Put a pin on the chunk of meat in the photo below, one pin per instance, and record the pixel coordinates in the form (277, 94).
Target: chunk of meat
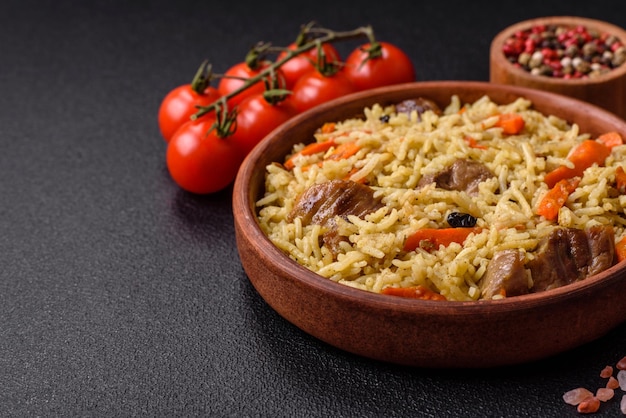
(462, 175)
(420, 105)
(321, 203)
(602, 247)
(506, 275)
(568, 255)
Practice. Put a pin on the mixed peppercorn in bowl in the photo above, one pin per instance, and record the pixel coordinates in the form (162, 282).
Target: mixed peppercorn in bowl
(564, 51)
(575, 56)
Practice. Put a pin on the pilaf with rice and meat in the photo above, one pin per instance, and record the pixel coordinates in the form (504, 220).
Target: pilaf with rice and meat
(472, 201)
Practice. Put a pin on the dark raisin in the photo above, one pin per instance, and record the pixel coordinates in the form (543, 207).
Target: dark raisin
(461, 220)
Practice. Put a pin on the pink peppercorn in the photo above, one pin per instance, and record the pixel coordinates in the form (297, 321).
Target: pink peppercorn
(529, 46)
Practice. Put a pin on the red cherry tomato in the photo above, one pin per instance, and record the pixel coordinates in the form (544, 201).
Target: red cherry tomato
(315, 88)
(242, 71)
(178, 106)
(367, 67)
(301, 64)
(256, 117)
(200, 161)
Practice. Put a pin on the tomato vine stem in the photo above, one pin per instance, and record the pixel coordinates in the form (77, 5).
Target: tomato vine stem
(309, 37)
(202, 79)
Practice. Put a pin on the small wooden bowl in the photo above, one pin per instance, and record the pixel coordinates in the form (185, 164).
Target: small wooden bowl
(419, 332)
(607, 91)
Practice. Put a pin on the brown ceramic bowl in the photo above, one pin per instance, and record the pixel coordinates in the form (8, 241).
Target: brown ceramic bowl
(607, 91)
(417, 332)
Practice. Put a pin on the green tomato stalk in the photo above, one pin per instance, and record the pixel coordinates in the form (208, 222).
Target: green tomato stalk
(310, 37)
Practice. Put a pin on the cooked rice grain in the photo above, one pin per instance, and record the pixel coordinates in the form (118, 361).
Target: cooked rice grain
(395, 155)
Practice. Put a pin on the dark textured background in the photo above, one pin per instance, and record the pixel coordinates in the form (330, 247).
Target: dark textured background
(120, 295)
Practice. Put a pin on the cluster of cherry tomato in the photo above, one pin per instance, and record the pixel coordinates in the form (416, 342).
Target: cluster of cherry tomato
(210, 130)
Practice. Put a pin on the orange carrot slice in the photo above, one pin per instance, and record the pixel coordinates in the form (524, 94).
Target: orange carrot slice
(328, 127)
(413, 292)
(620, 249)
(620, 180)
(511, 123)
(310, 149)
(345, 150)
(432, 238)
(556, 198)
(473, 143)
(586, 154)
(610, 139)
